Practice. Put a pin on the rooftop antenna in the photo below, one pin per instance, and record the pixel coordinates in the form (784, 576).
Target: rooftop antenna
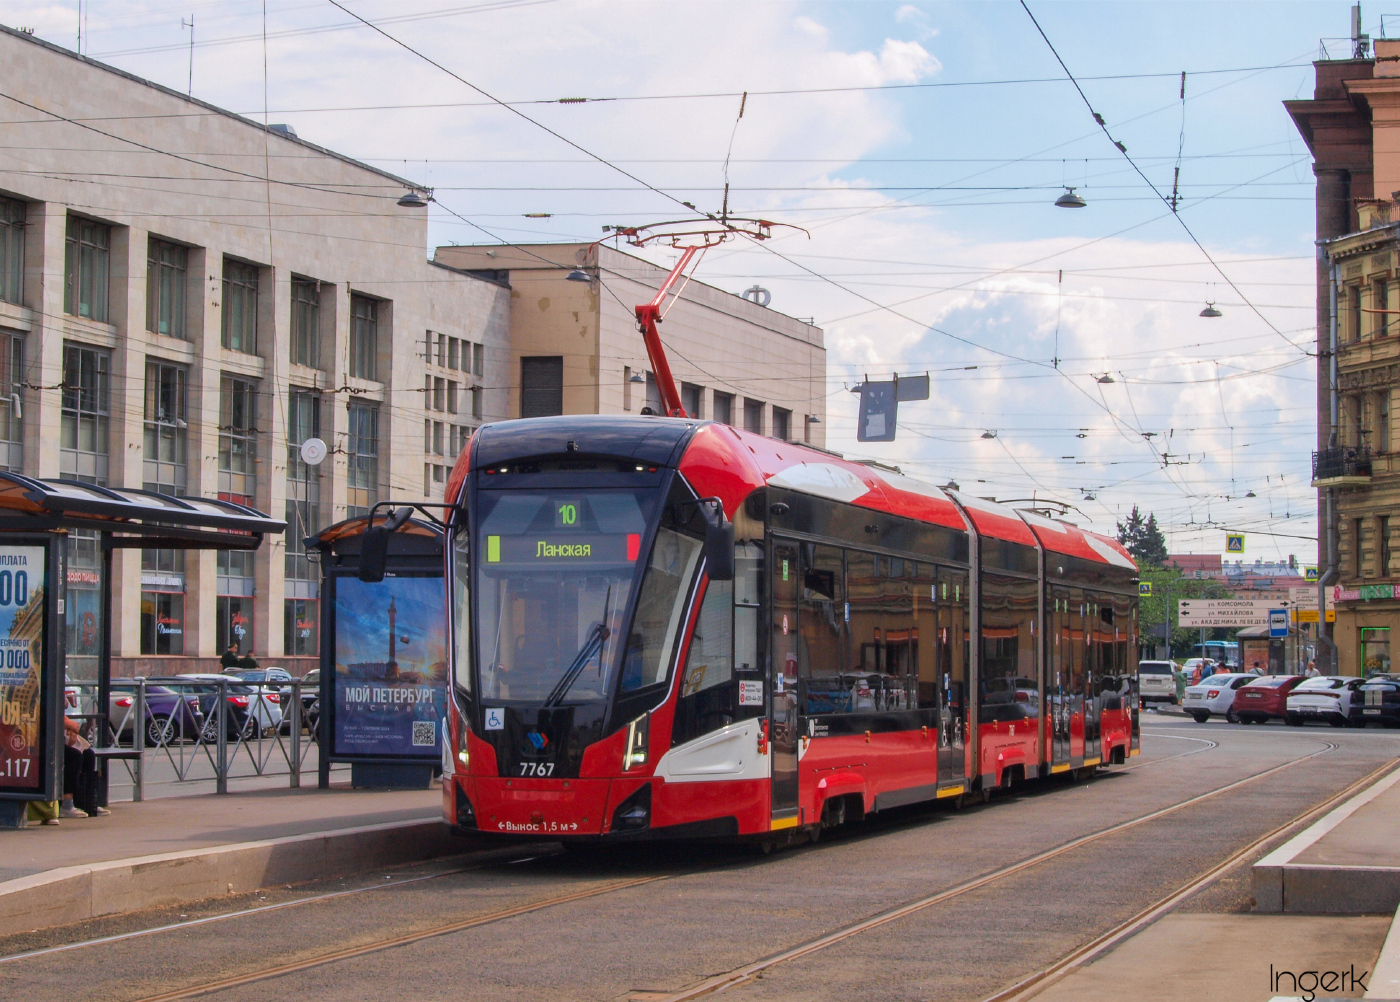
(190, 24)
(1360, 43)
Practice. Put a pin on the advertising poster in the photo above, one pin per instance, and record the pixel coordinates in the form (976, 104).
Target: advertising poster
(21, 666)
(390, 666)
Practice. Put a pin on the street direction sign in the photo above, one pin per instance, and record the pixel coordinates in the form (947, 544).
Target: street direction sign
(1278, 622)
(1227, 612)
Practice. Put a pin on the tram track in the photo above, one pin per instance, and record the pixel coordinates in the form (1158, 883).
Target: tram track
(723, 982)
(740, 975)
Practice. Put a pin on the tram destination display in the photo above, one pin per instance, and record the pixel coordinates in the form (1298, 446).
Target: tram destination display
(390, 688)
(21, 667)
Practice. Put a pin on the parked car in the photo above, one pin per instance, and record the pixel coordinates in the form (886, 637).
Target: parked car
(170, 714)
(1215, 695)
(252, 709)
(1156, 681)
(311, 698)
(1265, 698)
(1376, 701)
(1327, 697)
(269, 677)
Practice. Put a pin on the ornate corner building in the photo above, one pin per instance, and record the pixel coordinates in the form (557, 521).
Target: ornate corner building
(1352, 128)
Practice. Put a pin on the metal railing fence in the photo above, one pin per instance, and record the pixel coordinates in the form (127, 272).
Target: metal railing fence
(204, 729)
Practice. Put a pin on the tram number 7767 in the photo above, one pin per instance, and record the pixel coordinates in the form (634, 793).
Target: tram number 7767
(536, 768)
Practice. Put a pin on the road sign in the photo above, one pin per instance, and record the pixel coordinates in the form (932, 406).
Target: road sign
(1227, 612)
(1145, 589)
(1310, 615)
(1234, 542)
(1309, 573)
(1278, 622)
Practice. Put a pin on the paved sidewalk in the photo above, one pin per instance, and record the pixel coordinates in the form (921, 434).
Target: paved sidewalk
(179, 824)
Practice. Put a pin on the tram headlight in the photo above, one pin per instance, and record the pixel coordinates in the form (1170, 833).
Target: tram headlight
(638, 741)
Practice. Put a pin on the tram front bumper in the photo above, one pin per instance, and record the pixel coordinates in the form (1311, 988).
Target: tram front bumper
(552, 807)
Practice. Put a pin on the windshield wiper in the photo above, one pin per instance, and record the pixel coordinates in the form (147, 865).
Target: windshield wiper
(597, 636)
(593, 645)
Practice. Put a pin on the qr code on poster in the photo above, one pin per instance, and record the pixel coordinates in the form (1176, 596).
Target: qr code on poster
(424, 733)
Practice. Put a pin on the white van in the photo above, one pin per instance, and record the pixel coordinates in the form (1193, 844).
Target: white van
(1156, 681)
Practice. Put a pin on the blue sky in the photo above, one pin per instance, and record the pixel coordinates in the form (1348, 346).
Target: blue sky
(931, 193)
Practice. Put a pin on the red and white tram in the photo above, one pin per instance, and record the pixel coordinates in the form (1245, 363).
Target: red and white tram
(627, 663)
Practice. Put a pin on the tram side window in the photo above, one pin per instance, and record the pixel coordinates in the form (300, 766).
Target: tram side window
(821, 622)
(708, 695)
(748, 579)
(1008, 685)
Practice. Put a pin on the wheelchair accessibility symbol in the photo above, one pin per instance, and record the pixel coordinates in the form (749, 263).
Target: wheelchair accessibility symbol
(495, 719)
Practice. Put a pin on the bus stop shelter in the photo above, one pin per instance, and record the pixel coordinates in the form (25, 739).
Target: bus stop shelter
(39, 519)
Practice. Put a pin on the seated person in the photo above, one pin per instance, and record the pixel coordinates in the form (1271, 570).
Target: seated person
(79, 775)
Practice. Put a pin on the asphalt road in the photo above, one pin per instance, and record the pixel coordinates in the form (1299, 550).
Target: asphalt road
(710, 912)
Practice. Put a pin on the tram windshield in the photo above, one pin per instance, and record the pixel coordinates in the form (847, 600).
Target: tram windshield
(555, 575)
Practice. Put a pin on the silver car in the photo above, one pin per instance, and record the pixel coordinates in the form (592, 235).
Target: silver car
(1327, 697)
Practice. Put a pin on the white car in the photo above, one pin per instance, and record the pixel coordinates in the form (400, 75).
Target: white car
(1156, 681)
(1327, 697)
(1215, 696)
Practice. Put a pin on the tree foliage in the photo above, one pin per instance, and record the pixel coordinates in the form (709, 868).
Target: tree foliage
(1143, 539)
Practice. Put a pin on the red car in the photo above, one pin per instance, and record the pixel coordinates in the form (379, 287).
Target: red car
(1265, 698)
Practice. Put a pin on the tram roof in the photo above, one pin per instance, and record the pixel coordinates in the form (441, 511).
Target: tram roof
(1061, 537)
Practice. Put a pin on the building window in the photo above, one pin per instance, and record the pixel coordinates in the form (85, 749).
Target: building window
(478, 360)
(476, 402)
(724, 407)
(165, 467)
(541, 385)
(1375, 651)
(1354, 327)
(454, 352)
(238, 440)
(233, 604)
(11, 417)
(233, 623)
(86, 269)
(364, 337)
(162, 623)
(83, 442)
(240, 307)
(627, 387)
(1383, 546)
(753, 416)
(439, 394)
(1356, 524)
(306, 323)
(692, 398)
(452, 396)
(363, 474)
(1382, 442)
(11, 249)
(303, 487)
(1380, 300)
(782, 423)
(300, 625)
(166, 273)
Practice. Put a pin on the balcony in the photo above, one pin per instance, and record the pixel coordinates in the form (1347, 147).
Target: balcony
(1343, 466)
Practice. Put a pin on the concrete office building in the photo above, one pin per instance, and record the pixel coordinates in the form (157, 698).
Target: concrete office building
(185, 297)
(575, 348)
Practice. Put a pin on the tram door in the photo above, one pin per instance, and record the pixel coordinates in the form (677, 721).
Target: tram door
(1097, 668)
(782, 680)
(952, 655)
(1075, 675)
(1057, 677)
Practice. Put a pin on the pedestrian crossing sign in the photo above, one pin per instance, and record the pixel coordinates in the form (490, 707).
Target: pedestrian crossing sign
(1234, 542)
(1310, 574)
(1145, 589)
